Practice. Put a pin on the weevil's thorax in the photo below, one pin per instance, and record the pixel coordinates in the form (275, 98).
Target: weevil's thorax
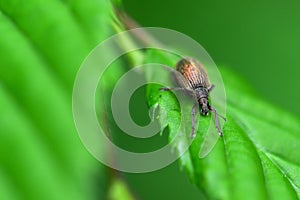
(202, 98)
(201, 92)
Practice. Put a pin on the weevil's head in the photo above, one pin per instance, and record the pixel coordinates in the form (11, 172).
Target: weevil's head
(203, 105)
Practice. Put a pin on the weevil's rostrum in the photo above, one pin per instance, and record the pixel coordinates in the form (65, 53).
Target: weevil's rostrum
(193, 78)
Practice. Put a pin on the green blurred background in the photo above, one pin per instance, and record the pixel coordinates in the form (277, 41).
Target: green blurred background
(258, 39)
(41, 154)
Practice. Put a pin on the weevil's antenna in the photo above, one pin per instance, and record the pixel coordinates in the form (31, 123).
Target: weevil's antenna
(224, 118)
(215, 111)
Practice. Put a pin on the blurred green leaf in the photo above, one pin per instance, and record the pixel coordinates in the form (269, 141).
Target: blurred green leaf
(42, 45)
(119, 190)
(256, 159)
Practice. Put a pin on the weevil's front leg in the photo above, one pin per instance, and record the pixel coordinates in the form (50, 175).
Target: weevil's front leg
(193, 119)
(217, 120)
(169, 89)
(211, 87)
(188, 91)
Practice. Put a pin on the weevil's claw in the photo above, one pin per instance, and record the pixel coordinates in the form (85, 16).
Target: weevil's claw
(193, 135)
(220, 132)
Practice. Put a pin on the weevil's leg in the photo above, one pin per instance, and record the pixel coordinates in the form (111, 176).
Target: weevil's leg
(211, 87)
(168, 89)
(217, 120)
(193, 119)
(189, 91)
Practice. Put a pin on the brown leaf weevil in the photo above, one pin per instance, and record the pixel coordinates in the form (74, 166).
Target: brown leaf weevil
(193, 78)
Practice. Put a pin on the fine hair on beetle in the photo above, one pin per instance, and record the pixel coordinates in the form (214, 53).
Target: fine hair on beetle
(193, 79)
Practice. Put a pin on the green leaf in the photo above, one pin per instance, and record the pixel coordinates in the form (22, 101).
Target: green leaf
(119, 190)
(256, 159)
(42, 45)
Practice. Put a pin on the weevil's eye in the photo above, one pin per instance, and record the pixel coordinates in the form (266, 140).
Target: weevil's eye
(204, 111)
